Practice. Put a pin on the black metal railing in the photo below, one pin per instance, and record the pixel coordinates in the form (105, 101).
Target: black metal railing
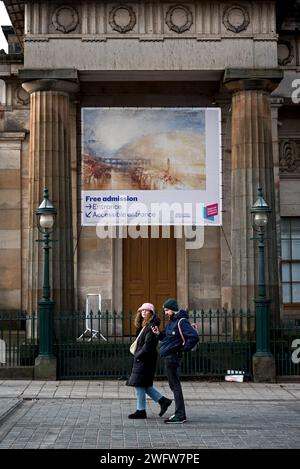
(285, 346)
(97, 345)
(18, 338)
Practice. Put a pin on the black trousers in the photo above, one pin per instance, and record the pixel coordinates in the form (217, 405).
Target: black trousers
(172, 363)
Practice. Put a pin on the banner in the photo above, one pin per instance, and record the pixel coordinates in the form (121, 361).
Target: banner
(151, 166)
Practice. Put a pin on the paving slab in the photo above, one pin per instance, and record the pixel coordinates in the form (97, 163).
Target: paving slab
(104, 423)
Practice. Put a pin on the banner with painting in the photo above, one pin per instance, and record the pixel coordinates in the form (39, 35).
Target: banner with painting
(159, 166)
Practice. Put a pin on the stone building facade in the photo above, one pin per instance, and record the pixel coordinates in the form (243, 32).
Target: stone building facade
(242, 56)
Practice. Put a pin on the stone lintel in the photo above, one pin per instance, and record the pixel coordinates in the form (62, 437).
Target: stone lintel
(241, 79)
(51, 84)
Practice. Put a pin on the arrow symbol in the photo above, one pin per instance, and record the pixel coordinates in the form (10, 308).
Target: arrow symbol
(88, 206)
(88, 215)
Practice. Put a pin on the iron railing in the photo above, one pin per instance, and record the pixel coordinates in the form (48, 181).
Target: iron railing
(97, 345)
(285, 346)
(18, 338)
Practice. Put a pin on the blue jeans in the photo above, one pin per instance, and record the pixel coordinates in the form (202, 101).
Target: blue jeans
(141, 396)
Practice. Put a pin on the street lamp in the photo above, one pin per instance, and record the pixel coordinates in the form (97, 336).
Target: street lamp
(46, 215)
(259, 219)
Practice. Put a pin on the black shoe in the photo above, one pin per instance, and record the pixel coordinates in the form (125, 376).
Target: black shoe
(164, 403)
(138, 414)
(175, 419)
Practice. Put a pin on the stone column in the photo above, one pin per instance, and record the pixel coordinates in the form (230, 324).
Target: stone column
(50, 166)
(252, 165)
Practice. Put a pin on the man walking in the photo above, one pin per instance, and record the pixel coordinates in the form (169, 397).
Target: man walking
(179, 336)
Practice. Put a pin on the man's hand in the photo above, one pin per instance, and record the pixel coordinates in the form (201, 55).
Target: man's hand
(155, 330)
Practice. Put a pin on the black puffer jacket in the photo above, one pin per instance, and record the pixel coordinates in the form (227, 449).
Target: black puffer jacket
(144, 362)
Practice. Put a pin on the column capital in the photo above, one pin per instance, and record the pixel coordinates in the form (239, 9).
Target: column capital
(61, 80)
(242, 79)
(62, 86)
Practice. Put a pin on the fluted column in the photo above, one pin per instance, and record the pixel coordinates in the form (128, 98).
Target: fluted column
(49, 156)
(252, 166)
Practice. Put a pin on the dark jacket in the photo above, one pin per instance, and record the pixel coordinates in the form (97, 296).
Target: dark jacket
(144, 362)
(171, 340)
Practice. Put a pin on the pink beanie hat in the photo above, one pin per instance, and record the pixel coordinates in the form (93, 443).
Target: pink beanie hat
(148, 306)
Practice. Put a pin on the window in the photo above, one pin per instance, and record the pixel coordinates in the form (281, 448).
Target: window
(290, 265)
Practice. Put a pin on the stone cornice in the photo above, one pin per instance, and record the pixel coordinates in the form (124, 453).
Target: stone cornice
(12, 136)
(151, 37)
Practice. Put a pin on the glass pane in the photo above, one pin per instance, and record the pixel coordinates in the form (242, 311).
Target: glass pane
(286, 277)
(296, 292)
(296, 249)
(285, 228)
(295, 228)
(295, 273)
(285, 249)
(286, 293)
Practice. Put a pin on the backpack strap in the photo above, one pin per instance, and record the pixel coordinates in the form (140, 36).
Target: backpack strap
(180, 331)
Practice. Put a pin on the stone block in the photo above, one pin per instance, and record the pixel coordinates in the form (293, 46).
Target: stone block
(45, 368)
(10, 219)
(16, 372)
(9, 198)
(289, 195)
(9, 157)
(10, 239)
(264, 370)
(10, 275)
(10, 179)
(87, 244)
(10, 299)
(94, 280)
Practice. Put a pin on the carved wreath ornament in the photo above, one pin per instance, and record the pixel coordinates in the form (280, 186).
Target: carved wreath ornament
(117, 16)
(21, 96)
(172, 18)
(289, 52)
(236, 18)
(65, 19)
(289, 157)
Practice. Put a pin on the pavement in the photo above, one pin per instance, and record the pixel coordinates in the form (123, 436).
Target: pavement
(94, 414)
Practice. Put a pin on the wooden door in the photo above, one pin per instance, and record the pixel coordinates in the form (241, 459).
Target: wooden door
(149, 273)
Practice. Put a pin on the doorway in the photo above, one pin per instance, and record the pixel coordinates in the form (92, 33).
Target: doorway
(149, 273)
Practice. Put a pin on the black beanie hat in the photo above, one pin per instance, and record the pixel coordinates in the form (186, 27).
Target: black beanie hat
(172, 304)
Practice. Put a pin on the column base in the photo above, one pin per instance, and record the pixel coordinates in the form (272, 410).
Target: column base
(45, 368)
(264, 370)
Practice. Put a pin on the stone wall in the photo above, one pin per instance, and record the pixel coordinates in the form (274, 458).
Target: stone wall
(14, 124)
(10, 220)
(204, 273)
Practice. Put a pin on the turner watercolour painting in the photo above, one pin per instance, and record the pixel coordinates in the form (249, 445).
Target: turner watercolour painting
(147, 149)
(136, 159)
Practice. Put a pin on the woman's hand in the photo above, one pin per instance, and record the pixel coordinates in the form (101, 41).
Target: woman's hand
(155, 330)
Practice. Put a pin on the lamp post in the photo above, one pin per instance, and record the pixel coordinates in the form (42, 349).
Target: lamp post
(46, 215)
(259, 219)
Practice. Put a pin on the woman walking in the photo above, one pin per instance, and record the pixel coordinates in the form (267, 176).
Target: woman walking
(144, 363)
